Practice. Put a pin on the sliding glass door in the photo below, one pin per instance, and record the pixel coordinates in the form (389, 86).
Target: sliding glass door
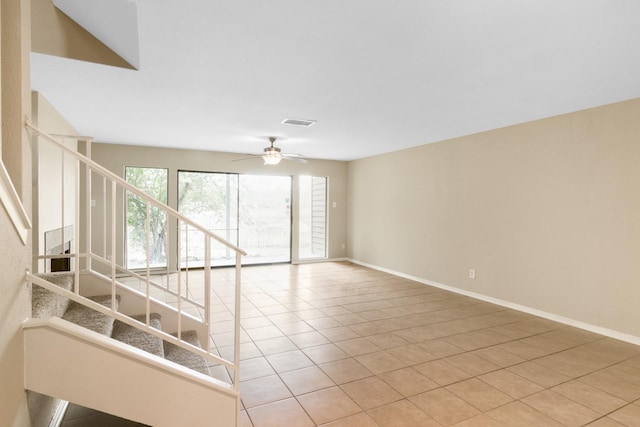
(264, 215)
(251, 211)
(210, 199)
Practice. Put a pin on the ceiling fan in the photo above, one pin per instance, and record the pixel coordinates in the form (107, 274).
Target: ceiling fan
(272, 155)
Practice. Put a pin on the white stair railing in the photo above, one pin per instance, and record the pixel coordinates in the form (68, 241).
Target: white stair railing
(100, 252)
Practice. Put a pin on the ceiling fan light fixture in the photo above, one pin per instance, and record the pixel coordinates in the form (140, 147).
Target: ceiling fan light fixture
(271, 159)
(272, 155)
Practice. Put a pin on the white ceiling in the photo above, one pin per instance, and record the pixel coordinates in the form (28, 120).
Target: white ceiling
(377, 75)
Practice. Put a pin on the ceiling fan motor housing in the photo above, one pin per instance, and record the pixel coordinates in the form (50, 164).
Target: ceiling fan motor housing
(272, 150)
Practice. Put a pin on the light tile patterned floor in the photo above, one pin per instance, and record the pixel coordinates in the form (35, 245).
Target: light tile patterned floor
(335, 344)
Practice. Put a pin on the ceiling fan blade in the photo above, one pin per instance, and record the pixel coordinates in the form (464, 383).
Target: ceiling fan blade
(272, 155)
(251, 156)
(295, 159)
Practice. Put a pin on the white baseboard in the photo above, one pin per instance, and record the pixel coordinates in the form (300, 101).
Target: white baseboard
(58, 415)
(632, 339)
(318, 260)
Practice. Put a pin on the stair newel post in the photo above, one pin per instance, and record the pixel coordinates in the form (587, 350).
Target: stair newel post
(236, 336)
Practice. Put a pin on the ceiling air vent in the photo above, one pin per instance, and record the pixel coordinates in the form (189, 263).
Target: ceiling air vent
(299, 122)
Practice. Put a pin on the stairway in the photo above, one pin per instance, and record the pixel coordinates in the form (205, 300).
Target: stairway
(48, 304)
(77, 364)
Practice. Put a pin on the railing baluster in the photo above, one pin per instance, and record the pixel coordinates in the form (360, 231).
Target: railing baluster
(207, 288)
(62, 205)
(76, 228)
(88, 221)
(186, 258)
(148, 246)
(104, 216)
(113, 244)
(236, 335)
(179, 243)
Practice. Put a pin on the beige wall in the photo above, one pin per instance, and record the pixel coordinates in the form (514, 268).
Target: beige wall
(116, 157)
(47, 164)
(14, 255)
(546, 212)
(54, 33)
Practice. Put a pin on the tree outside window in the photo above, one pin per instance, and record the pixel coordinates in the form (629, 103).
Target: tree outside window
(152, 181)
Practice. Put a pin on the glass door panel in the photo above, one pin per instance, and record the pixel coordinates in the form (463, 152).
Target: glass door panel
(152, 181)
(265, 218)
(210, 199)
(252, 212)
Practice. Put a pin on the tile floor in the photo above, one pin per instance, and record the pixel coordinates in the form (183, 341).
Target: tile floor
(336, 344)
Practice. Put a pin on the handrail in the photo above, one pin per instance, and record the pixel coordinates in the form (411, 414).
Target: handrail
(105, 259)
(133, 189)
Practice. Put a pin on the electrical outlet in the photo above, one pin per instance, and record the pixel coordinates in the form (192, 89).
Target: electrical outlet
(344, 246)
(472, 273)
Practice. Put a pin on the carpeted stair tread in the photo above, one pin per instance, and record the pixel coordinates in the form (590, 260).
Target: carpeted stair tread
(138, 338)
(89, 318)
(45, 303)
(184, 357)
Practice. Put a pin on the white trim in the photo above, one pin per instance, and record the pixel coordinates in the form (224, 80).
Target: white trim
(631, 339)
(318, 260)
(55, 352)
(13, 205)
(96, 340)
(58, 415)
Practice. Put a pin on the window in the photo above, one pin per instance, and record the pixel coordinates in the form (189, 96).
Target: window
(313, 217)
(152, 181)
